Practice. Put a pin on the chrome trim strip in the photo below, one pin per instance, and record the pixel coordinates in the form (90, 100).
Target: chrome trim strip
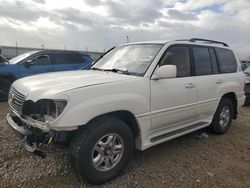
(15, 126)
(177, 131)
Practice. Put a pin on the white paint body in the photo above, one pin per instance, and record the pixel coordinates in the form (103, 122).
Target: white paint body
(160, 106)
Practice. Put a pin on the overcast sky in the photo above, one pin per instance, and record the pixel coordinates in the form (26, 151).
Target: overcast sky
(101, 24)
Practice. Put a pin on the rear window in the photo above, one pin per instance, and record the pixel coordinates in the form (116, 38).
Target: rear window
(203, 65)
(68, 58)
(227, 61)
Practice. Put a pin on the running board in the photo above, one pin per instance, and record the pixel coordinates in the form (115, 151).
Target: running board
(175, 132)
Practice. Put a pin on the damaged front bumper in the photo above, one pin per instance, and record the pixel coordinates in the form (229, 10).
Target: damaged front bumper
(32, 137)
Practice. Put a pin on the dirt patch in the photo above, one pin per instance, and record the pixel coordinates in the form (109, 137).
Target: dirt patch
(216, 161)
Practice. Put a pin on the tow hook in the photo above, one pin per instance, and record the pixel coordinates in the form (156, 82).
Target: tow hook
(34, 146)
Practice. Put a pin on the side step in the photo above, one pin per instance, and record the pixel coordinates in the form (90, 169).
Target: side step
(175, 132)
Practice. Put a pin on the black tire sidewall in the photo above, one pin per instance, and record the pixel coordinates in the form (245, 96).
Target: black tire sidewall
(84, 164)
(216, 127)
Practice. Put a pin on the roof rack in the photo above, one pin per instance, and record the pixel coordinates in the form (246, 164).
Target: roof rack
(206, 40)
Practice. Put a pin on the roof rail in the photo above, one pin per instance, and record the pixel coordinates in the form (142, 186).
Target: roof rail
(206, 40)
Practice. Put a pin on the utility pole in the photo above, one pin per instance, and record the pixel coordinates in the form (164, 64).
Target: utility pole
(16, 49)
(127, 39)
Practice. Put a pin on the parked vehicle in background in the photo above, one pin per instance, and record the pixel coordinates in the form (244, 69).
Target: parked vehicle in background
(37, 62)
(136, 96)
(244, 65)
(247, 86)
(247, 75)
(3, 60)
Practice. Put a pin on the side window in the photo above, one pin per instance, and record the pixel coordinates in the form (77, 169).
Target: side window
(227, 61)
(178, 56)
(214, 61)
(84, 58)
(68, 59)
(203, 65)
(41, 60)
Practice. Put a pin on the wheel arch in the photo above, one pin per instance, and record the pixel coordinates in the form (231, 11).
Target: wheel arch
(126, 116)
(232, 97)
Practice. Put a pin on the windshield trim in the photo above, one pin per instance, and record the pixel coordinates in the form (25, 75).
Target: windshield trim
(105, 53)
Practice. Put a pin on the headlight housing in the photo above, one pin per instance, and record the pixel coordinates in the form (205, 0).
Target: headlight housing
(44, 110)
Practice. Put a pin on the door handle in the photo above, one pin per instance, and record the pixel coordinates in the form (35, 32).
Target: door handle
(190, 85)
(219, 81)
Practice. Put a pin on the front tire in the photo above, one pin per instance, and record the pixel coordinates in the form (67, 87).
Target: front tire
(102, 150)
(223, 116)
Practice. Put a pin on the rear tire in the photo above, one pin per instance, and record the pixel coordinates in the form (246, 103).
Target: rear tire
(102, 150)
(223, 116)
(4, 89)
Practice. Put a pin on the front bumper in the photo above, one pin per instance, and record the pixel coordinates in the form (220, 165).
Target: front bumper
(34, 123)
(32, 138)
(19, 131)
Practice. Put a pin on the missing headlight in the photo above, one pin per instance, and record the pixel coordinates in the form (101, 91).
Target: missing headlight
(44, 110)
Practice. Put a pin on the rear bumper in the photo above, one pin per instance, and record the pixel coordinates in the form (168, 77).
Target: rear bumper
(241, 101)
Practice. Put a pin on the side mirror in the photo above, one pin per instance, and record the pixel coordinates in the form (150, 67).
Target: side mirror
(165, 71)
(29, 63)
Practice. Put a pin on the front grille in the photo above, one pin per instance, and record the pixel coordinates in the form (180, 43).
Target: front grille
(16, 100)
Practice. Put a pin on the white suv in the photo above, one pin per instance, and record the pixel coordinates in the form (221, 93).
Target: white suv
(136, 96)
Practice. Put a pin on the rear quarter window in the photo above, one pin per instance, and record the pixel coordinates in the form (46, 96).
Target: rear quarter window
(226, 60)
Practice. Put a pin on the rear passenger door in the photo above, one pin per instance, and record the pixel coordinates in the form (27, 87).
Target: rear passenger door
(209, 81)
(70, 61)
(213, 78)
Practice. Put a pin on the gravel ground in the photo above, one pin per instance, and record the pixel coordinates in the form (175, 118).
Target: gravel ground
(216, 161)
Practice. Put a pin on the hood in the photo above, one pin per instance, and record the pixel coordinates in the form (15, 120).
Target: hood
(46, 85)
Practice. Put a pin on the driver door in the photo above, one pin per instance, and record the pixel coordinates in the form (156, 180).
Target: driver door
(37, 64)
(173, 100)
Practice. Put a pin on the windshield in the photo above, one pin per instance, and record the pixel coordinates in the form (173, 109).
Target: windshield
(131, 59)
(21, 57)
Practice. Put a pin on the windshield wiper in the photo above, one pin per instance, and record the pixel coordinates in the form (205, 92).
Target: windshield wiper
(112, 70)
(94, 68)
(118, 71)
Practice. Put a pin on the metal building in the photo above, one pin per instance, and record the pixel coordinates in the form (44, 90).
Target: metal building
(12, 51)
